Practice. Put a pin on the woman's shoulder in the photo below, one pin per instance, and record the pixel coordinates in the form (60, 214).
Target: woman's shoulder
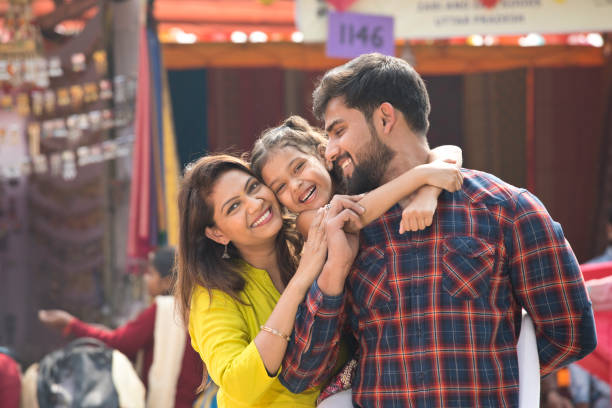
(202, 297)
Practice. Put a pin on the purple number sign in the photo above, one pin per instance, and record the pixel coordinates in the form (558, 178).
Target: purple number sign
(352, 34)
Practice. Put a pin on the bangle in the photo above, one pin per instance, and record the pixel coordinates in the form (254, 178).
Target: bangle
(275, 332)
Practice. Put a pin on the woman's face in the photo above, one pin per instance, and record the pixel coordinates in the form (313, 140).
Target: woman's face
(300, 181)
(245, 211)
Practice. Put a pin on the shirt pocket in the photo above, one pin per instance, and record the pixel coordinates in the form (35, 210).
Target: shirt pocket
(370, 281)
(467, 266)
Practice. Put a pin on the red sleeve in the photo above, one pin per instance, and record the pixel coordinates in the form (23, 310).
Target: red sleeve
(128, 339)
(10, 382)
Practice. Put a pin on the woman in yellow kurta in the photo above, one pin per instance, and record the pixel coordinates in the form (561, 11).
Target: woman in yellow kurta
(239, 280)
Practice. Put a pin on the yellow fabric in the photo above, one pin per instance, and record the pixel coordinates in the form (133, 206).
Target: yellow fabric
(171, 165)
(222, 332)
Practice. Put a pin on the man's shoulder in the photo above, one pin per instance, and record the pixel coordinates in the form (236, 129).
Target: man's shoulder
(485, 188)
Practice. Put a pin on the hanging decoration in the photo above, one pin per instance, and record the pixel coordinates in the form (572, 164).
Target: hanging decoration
(489, 3)
(341, 5)
(20, 48)
(67, 99)
(155, 169)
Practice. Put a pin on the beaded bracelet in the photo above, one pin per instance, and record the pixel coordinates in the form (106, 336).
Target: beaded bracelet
(275, 332)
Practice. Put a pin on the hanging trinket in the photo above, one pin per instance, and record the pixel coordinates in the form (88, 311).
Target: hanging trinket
(37, 103)
(6, 102)
(23, 104)
(49, 101)
(83, 121)
(42, 74)
(63, 97)
(55, 162)
(78, 62)
(91, 92)
(26, 168)
(119, 87)
(34, 138)
(40, 164)
(83, 155)
(107, 119)
(95, 119)
(100, 62)
(29, 74)
(59, 128)
(55, 67)
(15, 71)
(76, 96)
(12, 135)
(4, 73)
(106, 91)
(69, 168)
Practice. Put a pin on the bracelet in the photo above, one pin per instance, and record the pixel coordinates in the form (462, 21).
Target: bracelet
(275, 332)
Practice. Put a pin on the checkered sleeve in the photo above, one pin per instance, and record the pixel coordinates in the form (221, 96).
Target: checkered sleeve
(312, 353)
(548, 284)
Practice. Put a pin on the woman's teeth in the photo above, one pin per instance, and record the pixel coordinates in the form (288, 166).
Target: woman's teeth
(263, 218)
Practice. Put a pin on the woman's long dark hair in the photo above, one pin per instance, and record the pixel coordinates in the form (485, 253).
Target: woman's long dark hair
(199, 259)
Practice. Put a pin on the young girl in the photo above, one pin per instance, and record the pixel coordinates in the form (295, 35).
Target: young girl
(290, 160)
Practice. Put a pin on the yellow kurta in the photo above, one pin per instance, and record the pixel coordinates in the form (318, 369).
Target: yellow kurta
(223, 335)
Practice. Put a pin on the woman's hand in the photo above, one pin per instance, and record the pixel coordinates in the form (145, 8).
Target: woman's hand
(57, 319)
(342, 245)
(342, 248)
(314, 251)
(444, 174)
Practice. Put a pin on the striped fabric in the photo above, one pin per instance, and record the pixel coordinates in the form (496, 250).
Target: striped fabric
(437, 312)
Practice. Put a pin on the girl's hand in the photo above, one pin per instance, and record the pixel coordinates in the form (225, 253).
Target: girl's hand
(444, 174)
(314, 251)
(419, 213)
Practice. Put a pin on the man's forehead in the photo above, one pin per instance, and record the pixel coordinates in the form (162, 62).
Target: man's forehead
(335, 112)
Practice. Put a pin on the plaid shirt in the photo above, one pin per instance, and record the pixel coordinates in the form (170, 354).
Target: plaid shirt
(437, 312)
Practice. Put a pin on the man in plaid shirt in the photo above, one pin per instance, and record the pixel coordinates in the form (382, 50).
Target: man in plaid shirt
(436, 313)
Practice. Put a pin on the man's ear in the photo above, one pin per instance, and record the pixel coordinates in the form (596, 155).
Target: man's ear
(216, 235)
(386, 117)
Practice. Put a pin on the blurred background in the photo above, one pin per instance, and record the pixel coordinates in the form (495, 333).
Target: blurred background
(103, 102)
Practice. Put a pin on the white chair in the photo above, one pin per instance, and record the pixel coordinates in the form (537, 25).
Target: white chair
(529, 365)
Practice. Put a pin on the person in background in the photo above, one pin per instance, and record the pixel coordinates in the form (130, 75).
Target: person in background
(10, 380)
(171, 370)
(587, 390)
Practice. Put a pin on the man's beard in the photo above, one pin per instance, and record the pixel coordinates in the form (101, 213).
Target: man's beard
(373, 163)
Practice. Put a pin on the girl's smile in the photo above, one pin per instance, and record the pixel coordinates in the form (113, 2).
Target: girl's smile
(300, 181)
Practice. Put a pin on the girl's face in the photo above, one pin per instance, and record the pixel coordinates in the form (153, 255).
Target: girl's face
(300, 181)
(245, 211)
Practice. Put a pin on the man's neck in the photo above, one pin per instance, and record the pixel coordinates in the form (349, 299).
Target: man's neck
(411, 153)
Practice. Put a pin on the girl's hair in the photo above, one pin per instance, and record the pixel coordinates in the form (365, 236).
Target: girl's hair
(297, 133)
(199, 259)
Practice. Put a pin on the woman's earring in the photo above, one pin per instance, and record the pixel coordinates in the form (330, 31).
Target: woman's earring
(225, 254)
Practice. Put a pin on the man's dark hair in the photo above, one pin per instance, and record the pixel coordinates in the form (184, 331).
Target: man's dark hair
(371, 79)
